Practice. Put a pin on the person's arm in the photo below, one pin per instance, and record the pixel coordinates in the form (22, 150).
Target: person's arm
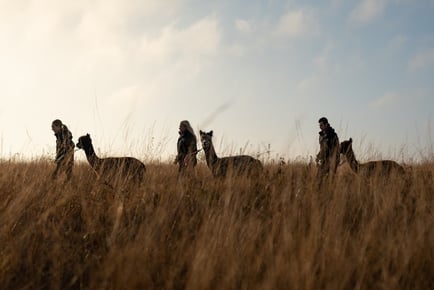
(181, 150)
(322, 154)
(191, 152)
(192, 147)
(66, 136)
(60, 153)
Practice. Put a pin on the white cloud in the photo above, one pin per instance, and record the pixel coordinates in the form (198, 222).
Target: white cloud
(293, 24)
(100, 40)
(308, 84)
(386, 100)
(243, 26)
(201, 39)
(127, 95)
(422, 60)
(322, 60)
(367, 11)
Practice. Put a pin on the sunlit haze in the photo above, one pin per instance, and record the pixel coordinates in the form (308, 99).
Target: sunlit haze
(258, 73)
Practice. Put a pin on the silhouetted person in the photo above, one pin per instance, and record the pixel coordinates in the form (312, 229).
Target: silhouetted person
(64, 149)
(328, 157)
(187, 147)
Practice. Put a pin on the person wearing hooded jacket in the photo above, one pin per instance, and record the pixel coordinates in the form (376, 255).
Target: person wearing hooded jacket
(328, 157)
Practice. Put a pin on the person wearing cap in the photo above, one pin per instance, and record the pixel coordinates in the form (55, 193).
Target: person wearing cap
(186, 147)
(64, 149)
(328, 157)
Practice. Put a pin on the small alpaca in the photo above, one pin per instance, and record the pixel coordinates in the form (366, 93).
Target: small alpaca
(380, 167)
(238, 165)
(112, 168)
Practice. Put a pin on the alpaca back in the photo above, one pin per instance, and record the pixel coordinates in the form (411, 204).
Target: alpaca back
(121, 167)
(381, 168)
(241, 165)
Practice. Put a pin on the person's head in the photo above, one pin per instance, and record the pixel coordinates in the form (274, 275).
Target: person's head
(323, 123)
(185, 126)
(56, 126)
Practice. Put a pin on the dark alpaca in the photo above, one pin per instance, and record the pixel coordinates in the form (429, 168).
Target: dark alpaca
(112, 169)
(380, 167)
(237, 165)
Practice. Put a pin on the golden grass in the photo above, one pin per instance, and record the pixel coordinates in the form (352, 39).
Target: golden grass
(278, 232)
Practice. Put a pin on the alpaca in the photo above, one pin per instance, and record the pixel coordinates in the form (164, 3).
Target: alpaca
(220, 167)
(380, 167)
(112, 168)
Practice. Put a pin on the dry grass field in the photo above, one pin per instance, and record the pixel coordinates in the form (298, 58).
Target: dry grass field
(281, 231)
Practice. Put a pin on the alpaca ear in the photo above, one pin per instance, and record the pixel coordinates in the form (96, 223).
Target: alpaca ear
(87, 135)
(210, 133)
(200, 132)
(351, 140)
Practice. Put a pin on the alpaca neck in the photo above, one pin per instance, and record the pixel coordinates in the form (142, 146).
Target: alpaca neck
(352, 161)
(211, 156)
(91, 156)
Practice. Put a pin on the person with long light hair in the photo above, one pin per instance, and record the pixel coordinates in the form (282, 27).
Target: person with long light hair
(186, 147)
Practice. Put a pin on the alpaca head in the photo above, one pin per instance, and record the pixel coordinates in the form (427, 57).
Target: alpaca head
(346, 146)
(206, 139)
(84, 142)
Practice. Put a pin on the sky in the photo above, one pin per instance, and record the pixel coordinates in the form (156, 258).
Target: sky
(258, 73)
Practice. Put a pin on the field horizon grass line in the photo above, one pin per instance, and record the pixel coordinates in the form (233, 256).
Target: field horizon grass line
(283, 230)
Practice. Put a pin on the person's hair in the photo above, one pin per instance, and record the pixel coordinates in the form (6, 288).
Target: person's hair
(57, 123)
(188, 126)
(323, 120)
